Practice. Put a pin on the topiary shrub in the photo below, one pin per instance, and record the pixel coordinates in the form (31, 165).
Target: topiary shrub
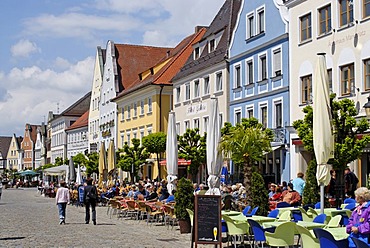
(311, 190)
(260, 196)
(184, 198)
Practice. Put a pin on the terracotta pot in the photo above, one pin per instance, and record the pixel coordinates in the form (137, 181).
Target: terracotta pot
(185, 226)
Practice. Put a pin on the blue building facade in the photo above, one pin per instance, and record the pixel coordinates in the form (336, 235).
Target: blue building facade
(259, 79)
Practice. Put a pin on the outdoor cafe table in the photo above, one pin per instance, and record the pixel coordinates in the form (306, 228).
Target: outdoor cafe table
(282, 210)
(261, 219)
(307, 224)
(230, 213)
(337, 232)
(332, 211)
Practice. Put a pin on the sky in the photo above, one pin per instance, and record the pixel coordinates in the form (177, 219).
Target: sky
(47, 47)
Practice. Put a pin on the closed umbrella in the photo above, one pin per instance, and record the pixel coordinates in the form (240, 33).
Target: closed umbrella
(79, 175)
(323, 138)
(102, 164)
(72, 170)
(111, 162)
(171, 152)
(214, 158)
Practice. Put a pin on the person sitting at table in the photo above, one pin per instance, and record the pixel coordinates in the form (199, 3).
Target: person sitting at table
(152, 194)
(171, 198)
(272, 189)
(291, 196)
(359, 223)
(132, 192)
(164, 192)
(275, 198)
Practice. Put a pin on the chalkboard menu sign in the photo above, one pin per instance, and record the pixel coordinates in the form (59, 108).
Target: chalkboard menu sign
(207, 221)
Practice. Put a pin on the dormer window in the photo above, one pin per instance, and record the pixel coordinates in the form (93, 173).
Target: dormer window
(212, 45)
(196, 52)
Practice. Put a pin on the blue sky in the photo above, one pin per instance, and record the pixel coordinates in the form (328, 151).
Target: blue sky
(48, 46)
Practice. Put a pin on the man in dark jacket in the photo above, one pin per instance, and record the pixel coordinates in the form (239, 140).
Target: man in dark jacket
(90, 197)
(350, 182)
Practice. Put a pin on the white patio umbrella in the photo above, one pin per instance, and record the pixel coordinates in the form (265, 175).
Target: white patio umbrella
(111, 160)
(79, 175)
(171, 152)
(214, 158)
(72, 170)
(323, 138)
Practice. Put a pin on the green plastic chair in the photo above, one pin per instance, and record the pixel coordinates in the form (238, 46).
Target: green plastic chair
(312, 211)
(285, 216)
(191, 215)
(305, 216)
(283, 235)
(235, 229)
(334, 221)
(307, 239)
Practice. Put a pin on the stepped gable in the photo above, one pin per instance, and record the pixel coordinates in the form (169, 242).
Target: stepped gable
(225, 21)
(83, 121)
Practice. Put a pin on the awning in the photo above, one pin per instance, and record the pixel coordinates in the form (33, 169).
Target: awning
(272, 149)
(180, 162)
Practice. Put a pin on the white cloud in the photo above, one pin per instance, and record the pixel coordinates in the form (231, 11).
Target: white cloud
(31, 93)
(24, 48)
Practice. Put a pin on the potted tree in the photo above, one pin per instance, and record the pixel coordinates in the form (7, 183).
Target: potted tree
(184, 198)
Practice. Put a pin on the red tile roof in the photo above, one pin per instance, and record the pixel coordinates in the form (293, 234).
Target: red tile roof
(83, 121)
(133, 59)
(177, 58)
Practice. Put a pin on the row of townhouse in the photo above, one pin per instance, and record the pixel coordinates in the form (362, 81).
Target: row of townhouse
(256, 57)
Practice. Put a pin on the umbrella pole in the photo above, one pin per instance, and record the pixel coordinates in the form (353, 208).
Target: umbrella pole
(322, 198)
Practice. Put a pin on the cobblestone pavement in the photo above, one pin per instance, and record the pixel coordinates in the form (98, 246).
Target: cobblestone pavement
(28, 219)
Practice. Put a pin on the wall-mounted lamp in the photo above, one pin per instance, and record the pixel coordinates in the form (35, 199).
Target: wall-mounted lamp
(277, 161)
(367, 107)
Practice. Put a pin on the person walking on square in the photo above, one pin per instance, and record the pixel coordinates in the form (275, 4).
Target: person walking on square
(90, 197)
(1, 187)
(350, 183)
(62, 198)
(299, 183)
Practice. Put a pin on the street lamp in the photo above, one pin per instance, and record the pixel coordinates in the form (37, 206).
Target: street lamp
(367, 107)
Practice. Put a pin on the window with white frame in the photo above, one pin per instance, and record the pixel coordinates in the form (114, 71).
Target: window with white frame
(237, 76)
(128, 111)
(206, 86)
(196, 123)
(196, 89)
(205, 123)
(237, 116)
(249, 71)
(187, 125)
(325, 19)
(135, 109)
(276, 61)
(149, 129)
(260, 20)
(150, 105)
(134, 134)
(128, 135)
(219, 81)
(122, 139)
(366, 65)
(250, 25)
(305, 27)
(345, 12)
(278, 114)
(347, 78)
(365, 8)
(178, 94)
(306, 86)
(263, 115)
(330, 77)
(142, 107)
(262, 67)
(249, 111)
(187, 91)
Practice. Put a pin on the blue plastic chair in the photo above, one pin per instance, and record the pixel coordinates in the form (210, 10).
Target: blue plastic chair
(350, 206)
(253, 212)
(283, 205)
(246, 210)
(259, 232)
(297, 215)
(274, 213)
(359, 243)
(317, 205)
(327, 240)
(223, 226)
(349, 200)
(320, 218)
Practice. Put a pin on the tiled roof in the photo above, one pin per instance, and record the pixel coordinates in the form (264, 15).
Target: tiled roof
(224, 20)
(79, 107)
(173, 61)
(133, 59)
(4, 146)
(83, 121)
